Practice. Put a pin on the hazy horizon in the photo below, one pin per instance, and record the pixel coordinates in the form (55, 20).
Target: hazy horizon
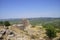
(29, 8)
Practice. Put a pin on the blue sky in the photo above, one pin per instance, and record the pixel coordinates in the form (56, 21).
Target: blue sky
(29, 8)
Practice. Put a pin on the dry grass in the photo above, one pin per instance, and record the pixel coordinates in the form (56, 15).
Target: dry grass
(1, 27)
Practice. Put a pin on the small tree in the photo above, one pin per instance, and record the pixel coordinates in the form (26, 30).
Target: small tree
(50, 32)
(33, 26)
(6, 23)
(1, 22)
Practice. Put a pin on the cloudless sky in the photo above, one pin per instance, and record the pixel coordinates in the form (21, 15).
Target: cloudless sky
(29, 8)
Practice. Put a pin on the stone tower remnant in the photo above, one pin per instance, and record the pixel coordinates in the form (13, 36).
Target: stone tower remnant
(25, 22)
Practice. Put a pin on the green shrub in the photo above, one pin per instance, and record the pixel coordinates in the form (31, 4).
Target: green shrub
(1, 22)
(51, 32)
(6, 23)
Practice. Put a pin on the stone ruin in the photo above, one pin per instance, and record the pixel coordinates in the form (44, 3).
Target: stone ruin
(25, 22)
(23, 25)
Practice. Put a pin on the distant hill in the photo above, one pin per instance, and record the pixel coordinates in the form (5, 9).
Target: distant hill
(33, 21)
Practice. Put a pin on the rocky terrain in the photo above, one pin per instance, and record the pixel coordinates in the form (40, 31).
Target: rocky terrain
(15, 33)
(30, 33)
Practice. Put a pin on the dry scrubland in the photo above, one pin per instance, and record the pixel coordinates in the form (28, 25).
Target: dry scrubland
(30, 33)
